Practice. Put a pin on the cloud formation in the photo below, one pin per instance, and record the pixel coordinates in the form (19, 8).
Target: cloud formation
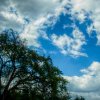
(70, 45)
(40, 14)
(83, 7)
(31, 18)
(87, 85)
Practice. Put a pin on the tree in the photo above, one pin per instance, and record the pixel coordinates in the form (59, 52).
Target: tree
(24, 74)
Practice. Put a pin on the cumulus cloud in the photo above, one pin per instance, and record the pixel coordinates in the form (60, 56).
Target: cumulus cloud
(45, 13)
(40, 13)
(31, 17)
(70, 45)
(11, 20)
(81, 7)
(87, 85)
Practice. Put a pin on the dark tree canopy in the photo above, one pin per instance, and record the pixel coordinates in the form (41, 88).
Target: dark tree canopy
(26, 75)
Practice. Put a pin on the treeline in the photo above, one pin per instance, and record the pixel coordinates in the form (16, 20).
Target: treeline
(26, 75)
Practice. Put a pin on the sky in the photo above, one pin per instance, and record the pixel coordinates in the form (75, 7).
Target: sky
(66, 30)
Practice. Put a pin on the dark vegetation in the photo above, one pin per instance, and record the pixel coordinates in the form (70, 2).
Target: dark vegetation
(26, 75)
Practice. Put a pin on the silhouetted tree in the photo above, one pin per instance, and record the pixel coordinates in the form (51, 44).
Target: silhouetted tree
(25, 75)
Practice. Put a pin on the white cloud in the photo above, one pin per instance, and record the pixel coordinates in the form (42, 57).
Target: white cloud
(87, 85)
(46, 13)
(11, 20)
(90, 29)
(46, 18)
(70, 45)
(41, 14)
(11, 16)
(92, 7)
(33, 31)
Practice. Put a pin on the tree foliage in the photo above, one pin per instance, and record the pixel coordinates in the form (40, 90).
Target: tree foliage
(26, 75)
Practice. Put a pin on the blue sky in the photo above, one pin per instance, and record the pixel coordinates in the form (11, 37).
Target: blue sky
(71, 65)
(66, 30)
